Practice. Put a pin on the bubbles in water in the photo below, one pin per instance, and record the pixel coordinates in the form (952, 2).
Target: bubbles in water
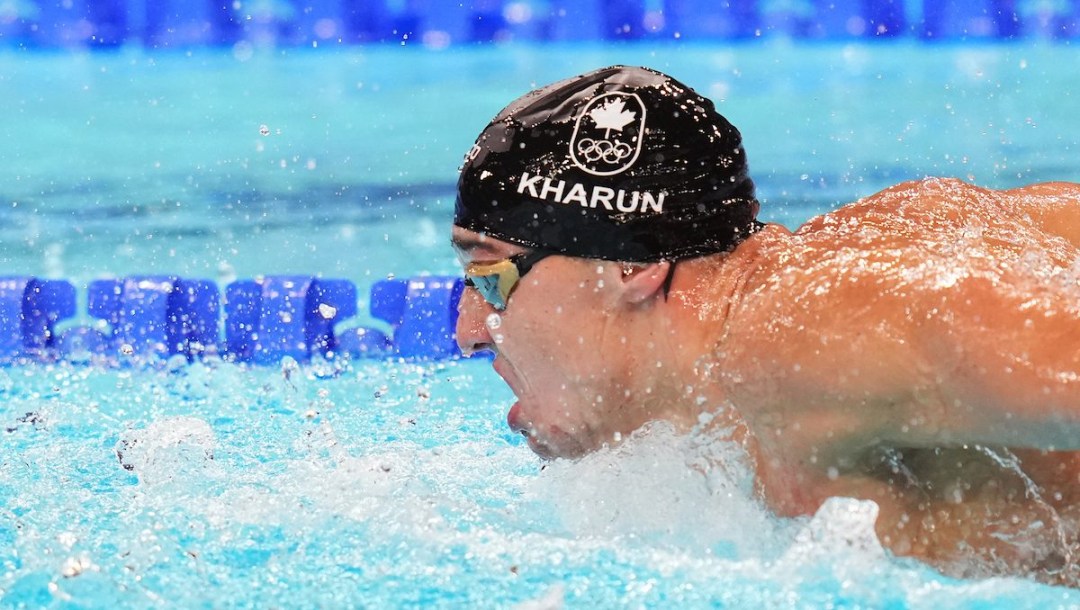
(172, 448)
(552, 599)
(264, 130)
(290, 370)
(841, 534)
(67, 539)
(75, 566)
(176, 363)
(655, 485)
(233, 480)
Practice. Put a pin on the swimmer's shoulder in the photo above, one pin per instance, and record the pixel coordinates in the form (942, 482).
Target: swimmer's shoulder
(927, 194)
(941, 204)
(903, 202)
(1047, 189)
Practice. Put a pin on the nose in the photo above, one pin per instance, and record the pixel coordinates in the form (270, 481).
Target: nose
(472, 332)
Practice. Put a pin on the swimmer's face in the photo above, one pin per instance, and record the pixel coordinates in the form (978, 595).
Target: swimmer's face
(557, 344)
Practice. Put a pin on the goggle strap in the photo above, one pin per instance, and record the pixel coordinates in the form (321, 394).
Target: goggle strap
(525, 261)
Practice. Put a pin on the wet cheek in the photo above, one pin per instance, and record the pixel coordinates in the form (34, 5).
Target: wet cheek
(546, 327)
(493, 322)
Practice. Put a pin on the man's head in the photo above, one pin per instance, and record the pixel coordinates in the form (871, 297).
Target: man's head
(593, 186)
(622, 164)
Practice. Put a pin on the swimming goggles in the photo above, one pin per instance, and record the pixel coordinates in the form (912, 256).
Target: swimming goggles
(495, 281)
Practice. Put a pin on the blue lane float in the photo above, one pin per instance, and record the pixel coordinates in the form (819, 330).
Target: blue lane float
(422, 311)
(29, 311)
(260, 321)
(156, 315)
(179, 24)
(277, 316)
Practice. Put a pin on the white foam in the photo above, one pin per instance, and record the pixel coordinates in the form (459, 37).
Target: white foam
(691, 491)
(841, 535)
(173, 448)
(552, 599)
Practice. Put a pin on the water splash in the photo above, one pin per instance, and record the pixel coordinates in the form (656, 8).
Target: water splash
(174, 448)
(390, 500)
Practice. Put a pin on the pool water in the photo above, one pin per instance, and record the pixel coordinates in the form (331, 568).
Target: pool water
(397, 484)
(139, 163)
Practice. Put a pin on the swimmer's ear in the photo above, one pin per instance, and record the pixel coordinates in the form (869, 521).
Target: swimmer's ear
(643, 281)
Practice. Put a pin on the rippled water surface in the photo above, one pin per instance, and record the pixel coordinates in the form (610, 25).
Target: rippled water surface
(385, 485)
(343, 162)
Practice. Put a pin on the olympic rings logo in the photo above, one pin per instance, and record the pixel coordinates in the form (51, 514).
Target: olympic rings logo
(609, 152)
(616, 122)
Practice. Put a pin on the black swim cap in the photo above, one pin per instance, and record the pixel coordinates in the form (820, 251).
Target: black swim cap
(622, 164)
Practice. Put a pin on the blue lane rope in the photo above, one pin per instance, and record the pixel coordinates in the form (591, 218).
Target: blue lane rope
(260, 321)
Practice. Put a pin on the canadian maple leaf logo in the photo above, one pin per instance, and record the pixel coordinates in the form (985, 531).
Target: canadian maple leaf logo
(612, 115)
(599, 144)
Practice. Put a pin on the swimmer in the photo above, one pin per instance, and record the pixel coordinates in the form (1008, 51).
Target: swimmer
(919, 348)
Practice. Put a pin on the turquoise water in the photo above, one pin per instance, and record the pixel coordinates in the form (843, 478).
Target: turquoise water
(135, 162)
(396, 485)
(388, 484)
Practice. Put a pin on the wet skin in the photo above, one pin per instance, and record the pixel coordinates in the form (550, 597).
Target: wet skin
(563, 345)
(912, 348)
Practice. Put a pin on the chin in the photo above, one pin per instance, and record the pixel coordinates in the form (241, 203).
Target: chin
(543, 450)
(557, 450)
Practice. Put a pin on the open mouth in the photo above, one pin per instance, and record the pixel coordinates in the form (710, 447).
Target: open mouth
(516, 418)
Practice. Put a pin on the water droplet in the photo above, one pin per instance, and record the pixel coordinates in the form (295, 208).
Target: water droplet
(126, 349)
(493, 321)
(264, 130)
(74, 566)
(327, 311)
(498, 339)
